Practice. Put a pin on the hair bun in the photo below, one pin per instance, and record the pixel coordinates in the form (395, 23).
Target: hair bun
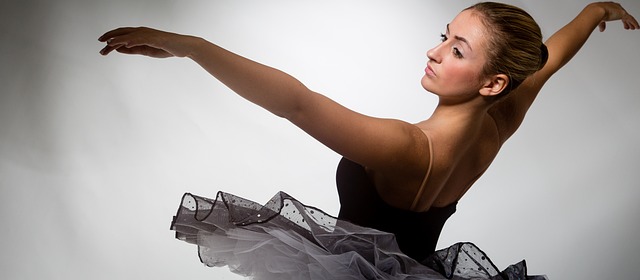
(544, 55)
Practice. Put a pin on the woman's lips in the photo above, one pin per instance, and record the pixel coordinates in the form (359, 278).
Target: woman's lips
(429, 71)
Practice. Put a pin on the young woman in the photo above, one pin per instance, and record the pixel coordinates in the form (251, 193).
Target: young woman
(398, 182)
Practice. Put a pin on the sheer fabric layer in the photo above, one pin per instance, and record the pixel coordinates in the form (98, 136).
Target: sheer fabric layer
(285, 239)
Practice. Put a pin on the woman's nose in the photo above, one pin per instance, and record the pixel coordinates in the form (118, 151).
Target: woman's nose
(434, 54)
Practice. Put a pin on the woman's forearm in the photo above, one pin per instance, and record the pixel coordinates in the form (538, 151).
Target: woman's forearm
(270, 88)
(567, 41)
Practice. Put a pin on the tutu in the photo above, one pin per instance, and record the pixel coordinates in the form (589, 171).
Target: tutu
(285, 239)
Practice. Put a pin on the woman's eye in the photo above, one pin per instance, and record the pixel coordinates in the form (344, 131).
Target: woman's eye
(457, 53)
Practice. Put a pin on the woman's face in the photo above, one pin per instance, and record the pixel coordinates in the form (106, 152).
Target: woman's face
(454, 70)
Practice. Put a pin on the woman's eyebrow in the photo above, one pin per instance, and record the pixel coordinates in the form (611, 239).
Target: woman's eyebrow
(462, 39)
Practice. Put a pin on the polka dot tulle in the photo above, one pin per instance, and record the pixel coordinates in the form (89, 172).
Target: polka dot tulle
(285, 239)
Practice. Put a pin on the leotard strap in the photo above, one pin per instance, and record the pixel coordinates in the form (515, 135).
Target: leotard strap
(426, 177)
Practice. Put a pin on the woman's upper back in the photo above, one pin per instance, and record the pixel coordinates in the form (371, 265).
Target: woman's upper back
(464, 162)
(458, 155)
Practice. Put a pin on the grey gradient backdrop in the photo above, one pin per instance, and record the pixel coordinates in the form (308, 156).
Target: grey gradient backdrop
(96, 152)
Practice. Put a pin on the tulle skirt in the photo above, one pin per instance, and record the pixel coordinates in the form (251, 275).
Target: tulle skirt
(285, 239)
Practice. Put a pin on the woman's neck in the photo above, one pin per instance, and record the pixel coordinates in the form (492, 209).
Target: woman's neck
(459, 113)
(455, 125)
(454, 129)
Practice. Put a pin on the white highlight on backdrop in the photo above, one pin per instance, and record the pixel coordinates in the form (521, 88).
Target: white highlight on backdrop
(96, 152)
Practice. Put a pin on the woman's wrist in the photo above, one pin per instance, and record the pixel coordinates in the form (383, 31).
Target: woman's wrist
(194, 45)
(597, 10)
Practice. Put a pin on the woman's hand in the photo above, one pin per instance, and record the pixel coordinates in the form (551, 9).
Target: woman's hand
(614, 11)
(146, 41)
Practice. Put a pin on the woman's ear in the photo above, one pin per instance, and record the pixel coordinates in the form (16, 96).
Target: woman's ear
(494, 85)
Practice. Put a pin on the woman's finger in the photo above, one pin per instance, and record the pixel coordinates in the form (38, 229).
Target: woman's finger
(144, 50)
(633, 23)
(115, 32)
(108, 48)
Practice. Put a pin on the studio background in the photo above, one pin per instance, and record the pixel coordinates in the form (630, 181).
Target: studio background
(96, 152)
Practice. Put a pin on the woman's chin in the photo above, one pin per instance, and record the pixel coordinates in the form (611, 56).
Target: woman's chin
(427, 84)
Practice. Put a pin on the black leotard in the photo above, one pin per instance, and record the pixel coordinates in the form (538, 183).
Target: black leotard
(416, 232)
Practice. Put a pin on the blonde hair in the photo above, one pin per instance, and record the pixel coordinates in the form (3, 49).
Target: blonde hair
(515, 46)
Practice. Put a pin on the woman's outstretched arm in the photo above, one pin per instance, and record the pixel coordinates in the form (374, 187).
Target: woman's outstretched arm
(567, 41)
(562, 46)
(380, 144)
